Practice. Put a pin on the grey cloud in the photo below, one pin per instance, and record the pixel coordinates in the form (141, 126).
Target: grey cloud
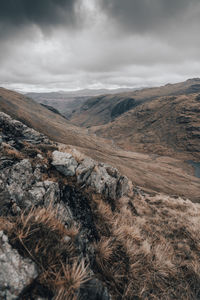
(122, 42)
(17, 14)
(147, 15)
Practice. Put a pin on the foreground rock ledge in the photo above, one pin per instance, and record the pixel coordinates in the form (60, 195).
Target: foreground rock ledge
(102, 178)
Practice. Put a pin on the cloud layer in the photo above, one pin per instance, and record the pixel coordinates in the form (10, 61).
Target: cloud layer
(69, 44)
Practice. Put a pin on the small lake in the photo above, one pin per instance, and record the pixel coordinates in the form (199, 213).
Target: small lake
(196, 166)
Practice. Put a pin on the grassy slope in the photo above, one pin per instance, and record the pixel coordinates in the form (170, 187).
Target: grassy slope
(165, 126)
(97, 110)
(163, 174)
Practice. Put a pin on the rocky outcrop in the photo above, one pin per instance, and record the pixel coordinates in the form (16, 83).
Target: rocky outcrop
(101, 178)
(16, 272)
(21, 187)
(11, 130)
(33, 175)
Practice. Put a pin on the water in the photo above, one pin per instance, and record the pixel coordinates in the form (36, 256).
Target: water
(196, 166)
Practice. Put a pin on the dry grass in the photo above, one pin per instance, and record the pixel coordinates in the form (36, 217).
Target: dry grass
(152, 251)
(149, 248)
(12, 152)
(42, 237)
(69, 279)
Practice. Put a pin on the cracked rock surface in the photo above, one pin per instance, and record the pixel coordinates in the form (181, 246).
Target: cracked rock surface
(16, 272)
(101, 178)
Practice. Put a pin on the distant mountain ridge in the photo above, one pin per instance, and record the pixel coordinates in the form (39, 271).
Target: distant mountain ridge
(161, 120)
(101, 109)
(68, 102)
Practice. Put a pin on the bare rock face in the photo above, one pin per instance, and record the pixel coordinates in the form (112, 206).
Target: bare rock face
(85, 169)
(15, 272)
(101, 178)
(64, 163)
(22, 186)
(16, 129)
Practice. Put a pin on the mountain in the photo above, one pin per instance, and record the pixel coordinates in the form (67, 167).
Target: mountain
(75, 228)
(167, 125)
(68, 102)
(105, 108)
(163, 120)
(153, 173)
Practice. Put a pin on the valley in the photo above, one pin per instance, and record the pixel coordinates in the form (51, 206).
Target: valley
(150, 143)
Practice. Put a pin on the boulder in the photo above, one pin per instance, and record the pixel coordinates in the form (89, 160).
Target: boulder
(64, 163)
(21, 185)
(16, 272)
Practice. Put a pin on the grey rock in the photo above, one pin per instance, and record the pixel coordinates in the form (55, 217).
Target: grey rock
(93, 290)
(21, 186)
(101, 178)
(16, 129)
(52, 192)
(40, 156)
(98, 179)
(123, 186)
(19, 179)
(64, 163)
(84, 170)
(16, 272)
(107, 180)
(64, 213)
(36, 194)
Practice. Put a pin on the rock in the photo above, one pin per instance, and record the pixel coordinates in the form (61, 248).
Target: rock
(102, 182)
(19, 179)
(40, 156)
(107, 180)
(122, 186)
(102, 178)
(15, 129)
(52, 192)
(93, 290)
(64, 213)
(64, 163)
(16, 272)
(21, 185)
(84, 170)
(36, 194)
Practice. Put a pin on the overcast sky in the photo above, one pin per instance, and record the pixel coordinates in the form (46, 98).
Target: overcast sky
(75, 44)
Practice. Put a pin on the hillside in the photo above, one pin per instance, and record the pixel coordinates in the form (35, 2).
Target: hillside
(42, 119)
(105, 108)
(72, 228)
(68, 102)
(152, 173)
(165, 126)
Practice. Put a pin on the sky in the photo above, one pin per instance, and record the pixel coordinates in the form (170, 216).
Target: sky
(49, 45)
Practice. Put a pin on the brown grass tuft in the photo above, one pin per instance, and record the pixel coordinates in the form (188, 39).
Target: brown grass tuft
(40, 235)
